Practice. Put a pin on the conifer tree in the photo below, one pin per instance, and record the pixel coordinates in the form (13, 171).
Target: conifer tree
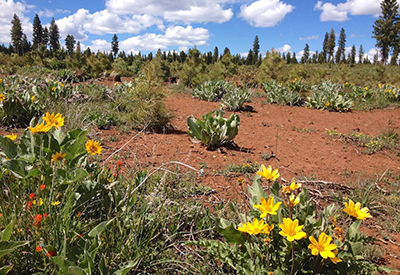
(250, 57)
(306, 54)
(54, 36)
(70, 44)
(331, 45)
(114, 45)
(37, 34)
(325, 49)
(16, 34)
(215, 55)
(353, 55)
(256, 49)
(45, 38)
(226, 51)
(360, 55)
(387, 28)
(341, 47)
(288, 58)
(293, 60)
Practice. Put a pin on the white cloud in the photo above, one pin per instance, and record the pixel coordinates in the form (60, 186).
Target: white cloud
(104, 22)
(331, 12)
(174, 36)
(341, 11)
(312, 37)
(284, 49)
(174, 11)
(265, 13)
(7, 11)
(46, 13)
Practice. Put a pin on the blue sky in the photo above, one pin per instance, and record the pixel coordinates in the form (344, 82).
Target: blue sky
(146, 25)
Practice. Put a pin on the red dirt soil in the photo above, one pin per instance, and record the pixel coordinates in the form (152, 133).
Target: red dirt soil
(295, 136)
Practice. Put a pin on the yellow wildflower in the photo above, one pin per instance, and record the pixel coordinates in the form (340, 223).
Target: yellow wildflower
(268, 174)
(54, 120)
(323, 247)
(293, 201)
(257, 227)
(12, 136)
(292, 230)
(335, 259)
(40, 128)
(2, 97)
(93, 147)
(293, 186)
(268, 207)
(356, 211)
(40, 202)
(58, 156)
(55, 203)
(33, 98)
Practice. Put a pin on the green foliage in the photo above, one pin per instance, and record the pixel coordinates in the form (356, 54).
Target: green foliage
(329, 96)
(261, 253)
(234, 99)
(276, 93)
(214, 131)
(212, 90)
(73, 216)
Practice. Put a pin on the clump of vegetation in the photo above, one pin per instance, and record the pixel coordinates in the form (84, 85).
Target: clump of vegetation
(277, 93)
(235, 99)
(329, 96)
(283, 234)
(212, 90)
(214, 130)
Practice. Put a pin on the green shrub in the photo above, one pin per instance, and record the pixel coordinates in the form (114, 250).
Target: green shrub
(329, 96)
(235, 98)
(214, 131)
(212, 90)
(276, 93)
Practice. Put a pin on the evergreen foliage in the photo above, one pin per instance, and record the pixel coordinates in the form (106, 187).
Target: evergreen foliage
(37, 35)
(16, 34)
(54, 36)
(387, 28)
(115, 45)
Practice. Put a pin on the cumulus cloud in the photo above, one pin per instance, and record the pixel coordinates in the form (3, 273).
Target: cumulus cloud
(265, 13)
(331, 12)
(284, 49)
(174, 36)
(341, 11)
(104, 22)
(312, 37)
(174, 11)
(7, 11)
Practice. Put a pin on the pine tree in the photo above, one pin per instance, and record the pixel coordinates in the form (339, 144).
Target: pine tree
(16, 34)
(226, 51)
(54, 36)
(70, 44)
(353, 55)
(256, 49)
(306, 54)
(114, 45)
(215, 55)
(288, 58)
(25, 45)
(325, 49)
(45, 38)
(331, 45)
(360, 55)
(37, 35)
(293, 60)
(250, 58)
(342, 46)
(387, 28)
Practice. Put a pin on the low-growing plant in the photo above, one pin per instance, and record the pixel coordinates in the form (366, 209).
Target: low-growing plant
(283, 234)
(329, 96)
(276, 93)
(212, 90)
(214, 131)
(235, 99)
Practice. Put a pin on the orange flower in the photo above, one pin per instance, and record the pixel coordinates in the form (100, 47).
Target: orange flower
(32, 196)
(29, 205)
(46, 215)
(51, 254)
(37, 219)
(42, 187)
(39, 248)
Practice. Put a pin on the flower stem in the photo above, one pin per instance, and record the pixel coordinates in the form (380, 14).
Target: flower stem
(291, 272)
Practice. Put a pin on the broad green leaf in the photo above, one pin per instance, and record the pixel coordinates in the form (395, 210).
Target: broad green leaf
(19, 168)
(96, 231)
(76, 270)
(7, 247)
(9, 147)
(353, 234)
(5, 235)
(194, 128)
(126, 267)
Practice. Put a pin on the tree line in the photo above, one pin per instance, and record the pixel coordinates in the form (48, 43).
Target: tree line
(386, 31)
